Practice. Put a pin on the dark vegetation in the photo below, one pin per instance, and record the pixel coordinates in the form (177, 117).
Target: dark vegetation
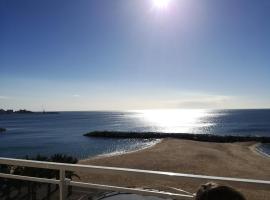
(186, 136)
(11, 189)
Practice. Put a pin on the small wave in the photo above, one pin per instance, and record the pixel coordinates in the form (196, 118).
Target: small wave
(131, 150)
(263, 150)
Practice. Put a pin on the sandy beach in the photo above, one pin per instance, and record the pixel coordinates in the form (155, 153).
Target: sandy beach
(239, 160)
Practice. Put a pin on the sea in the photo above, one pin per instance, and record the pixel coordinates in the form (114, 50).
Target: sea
(48, 134)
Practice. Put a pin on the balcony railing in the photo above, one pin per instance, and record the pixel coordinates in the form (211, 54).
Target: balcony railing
(63, 182)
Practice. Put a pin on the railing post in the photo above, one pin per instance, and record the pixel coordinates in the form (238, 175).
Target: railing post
(62, 184)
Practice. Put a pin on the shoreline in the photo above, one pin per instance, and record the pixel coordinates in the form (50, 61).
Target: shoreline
(254, 148)
(119, 153)
(239, 160)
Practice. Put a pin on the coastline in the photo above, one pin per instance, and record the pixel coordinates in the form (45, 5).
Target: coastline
(256, 149)
(118, 153)
(186, 156)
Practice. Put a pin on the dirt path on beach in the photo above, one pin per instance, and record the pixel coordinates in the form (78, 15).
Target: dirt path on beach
(184, 156)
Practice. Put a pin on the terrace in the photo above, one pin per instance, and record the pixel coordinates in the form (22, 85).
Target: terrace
(64, 183)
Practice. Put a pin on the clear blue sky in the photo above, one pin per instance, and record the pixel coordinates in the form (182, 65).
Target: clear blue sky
(130, 54)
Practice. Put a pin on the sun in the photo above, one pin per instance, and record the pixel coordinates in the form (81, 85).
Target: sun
(161, 4)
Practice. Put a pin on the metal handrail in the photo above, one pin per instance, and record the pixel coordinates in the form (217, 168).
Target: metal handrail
(63, 167)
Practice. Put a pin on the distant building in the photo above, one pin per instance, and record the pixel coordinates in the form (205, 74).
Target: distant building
(10, 111)
(23, 111)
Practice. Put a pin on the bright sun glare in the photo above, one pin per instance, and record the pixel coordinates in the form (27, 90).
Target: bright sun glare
(174, 120)
(161, 4)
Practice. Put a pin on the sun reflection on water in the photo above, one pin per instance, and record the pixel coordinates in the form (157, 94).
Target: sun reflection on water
(174, 120)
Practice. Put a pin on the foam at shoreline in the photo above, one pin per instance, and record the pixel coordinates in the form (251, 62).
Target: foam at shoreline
(261, 151)
(122, 152)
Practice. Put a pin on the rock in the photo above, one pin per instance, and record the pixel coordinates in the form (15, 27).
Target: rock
(2, 130)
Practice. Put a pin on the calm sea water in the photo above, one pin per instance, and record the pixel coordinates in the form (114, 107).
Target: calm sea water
(31, 134)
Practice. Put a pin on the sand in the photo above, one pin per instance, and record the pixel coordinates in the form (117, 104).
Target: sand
(239, 160)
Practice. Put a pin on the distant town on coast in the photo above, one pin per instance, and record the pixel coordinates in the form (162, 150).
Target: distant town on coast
(23, 111)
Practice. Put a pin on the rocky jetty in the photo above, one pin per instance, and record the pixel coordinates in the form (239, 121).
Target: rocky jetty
(186, 136)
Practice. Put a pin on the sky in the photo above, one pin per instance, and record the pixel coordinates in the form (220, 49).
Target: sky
(134, 54)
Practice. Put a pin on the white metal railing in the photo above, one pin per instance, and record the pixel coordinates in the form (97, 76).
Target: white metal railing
(63, 182)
